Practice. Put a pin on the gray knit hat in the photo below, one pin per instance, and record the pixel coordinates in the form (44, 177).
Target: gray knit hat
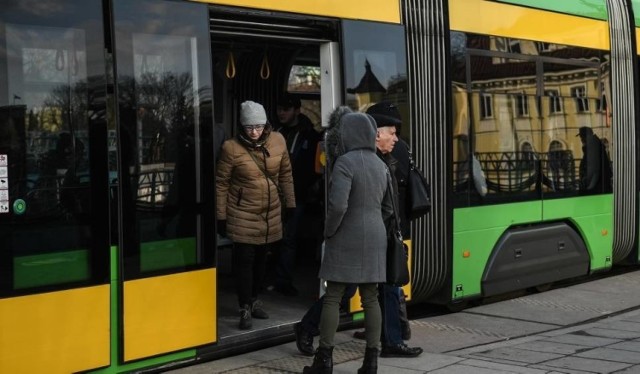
(252, 113)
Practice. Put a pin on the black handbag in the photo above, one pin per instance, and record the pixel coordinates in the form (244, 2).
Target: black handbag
(397, 251)
(418, 198)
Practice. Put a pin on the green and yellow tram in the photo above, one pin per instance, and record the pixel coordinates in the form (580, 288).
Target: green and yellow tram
(111, 112)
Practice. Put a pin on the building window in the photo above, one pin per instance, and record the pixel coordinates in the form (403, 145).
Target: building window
(486, 106)
(514, 46)
(579, 93)
(543, 47)
(522, 105)
(601, 102)
(555, 103)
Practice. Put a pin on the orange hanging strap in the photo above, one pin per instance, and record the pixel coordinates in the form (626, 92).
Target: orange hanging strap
(230, 71)
(265, 72)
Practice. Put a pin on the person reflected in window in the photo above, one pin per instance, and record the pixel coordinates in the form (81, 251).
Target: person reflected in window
(595, 166)
(253, 166)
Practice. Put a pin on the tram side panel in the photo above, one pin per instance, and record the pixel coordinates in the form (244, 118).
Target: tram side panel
(521, 97)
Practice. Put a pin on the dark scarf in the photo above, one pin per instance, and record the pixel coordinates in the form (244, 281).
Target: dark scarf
(254, 144)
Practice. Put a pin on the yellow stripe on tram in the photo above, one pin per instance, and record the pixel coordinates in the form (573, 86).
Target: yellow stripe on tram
(486, 17)
(372, 10)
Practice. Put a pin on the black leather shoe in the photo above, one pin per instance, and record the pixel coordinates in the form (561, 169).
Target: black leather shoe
(304, 340)
(400, 350)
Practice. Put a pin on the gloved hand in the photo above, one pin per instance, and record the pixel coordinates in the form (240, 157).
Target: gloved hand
(222, 227)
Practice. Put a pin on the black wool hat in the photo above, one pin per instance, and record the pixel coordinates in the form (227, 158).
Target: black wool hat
(385, 114)
(289, 101)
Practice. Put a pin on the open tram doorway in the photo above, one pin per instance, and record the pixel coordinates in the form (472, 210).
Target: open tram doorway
(263, 57)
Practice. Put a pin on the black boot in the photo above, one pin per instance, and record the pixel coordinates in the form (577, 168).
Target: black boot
(245, 318)
(370, 363)
(322, 362)
(304, 339)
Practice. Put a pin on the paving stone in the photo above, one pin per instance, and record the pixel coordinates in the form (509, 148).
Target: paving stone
(588, 365)
(552, 347)
(621, 325)
(518, 355)
(628, 357)
(582, 339)
(464, 369)
(424, 362)
(635, 369)
(610, 333)
(633, 345)
(501, 367)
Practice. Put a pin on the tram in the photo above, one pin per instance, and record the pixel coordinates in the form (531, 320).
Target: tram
(522, 116)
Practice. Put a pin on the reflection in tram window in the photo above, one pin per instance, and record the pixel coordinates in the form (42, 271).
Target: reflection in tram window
(163, 80)
(524, 137)
(45, 117)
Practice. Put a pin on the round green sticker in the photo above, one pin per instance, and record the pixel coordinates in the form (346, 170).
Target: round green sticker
(19, 206)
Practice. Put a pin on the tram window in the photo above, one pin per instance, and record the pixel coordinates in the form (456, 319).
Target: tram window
(164, 85)
(503, 145)
(51, 234)
(304, 79)
(573, 95)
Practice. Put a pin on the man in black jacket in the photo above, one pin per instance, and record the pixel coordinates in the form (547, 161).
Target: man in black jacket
(302, 140)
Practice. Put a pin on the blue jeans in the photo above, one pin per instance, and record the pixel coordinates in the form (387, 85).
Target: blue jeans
(311, 320)
(390, 305)
(287, 252)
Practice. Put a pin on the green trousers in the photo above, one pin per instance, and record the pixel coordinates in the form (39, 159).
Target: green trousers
(331, 313)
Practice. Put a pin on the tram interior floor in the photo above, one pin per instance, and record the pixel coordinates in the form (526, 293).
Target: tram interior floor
(281, 309)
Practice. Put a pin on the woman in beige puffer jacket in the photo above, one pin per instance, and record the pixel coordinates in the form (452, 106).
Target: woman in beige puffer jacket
(249, 210)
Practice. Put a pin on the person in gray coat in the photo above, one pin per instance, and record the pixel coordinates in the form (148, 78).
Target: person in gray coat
(358, 205)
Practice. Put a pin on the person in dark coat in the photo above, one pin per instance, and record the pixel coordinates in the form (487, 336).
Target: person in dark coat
(595, 166)
(397, 158)
(302, 140)
(358, 204)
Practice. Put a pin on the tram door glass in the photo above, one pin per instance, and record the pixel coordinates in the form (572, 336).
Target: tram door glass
(52, 147)
(376, 68)
(164, 95)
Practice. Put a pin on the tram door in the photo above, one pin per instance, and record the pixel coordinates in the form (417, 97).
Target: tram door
(54, 244)
(165, 181)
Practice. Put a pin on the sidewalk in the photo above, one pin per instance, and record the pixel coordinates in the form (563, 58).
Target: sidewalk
(592, 327)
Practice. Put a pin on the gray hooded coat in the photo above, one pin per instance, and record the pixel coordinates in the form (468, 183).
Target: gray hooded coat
(358, 205)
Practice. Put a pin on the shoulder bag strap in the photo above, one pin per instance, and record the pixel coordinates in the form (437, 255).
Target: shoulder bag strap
(262, 169)
(393, 200)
